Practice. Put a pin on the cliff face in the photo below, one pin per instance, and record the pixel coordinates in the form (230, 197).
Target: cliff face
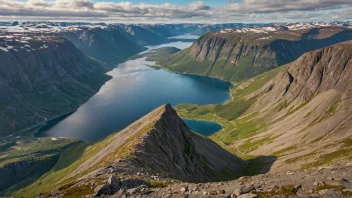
(42, 77)
(236, 55)
(307, 111)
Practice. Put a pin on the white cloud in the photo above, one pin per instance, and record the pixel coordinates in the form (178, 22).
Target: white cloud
(198, 11)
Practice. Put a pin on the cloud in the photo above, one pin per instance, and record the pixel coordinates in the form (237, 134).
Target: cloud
(268, 6)
(198, 11)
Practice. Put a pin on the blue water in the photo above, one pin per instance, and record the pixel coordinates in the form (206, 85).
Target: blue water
(134, 91)
(205, 128)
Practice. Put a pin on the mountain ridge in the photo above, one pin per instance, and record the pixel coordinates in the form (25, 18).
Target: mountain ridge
(239, 54)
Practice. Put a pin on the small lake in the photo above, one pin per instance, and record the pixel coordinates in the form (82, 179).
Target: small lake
(205, 128)
(134, 91)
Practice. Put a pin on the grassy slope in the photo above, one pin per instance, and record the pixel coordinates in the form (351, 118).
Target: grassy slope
(229, 112)
(71, 159)
(40, 154)
(68, 162)
(228, 115)
(159, 55)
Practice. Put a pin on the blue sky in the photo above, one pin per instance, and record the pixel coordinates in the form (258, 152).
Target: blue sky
(177, 11)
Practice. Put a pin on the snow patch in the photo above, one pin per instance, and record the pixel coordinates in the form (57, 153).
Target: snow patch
(4, 49)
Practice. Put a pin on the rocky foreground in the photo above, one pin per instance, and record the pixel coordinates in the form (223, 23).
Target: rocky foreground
(327, 182)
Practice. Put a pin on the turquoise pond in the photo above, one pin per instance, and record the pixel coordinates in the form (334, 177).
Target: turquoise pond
(203, 127)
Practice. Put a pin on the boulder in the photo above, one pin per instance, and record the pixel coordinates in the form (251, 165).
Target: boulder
(103, 189)
(248, 195)
(243, 190)
(183, 189)
(114, 183)
(330, 193)
(133, 183)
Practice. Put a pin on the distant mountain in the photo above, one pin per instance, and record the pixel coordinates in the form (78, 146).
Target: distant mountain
(239, 54)
(108, 45)
(158, 145)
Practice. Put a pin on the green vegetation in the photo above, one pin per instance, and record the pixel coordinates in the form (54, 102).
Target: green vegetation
(343, 153)
(252, 145)
(69, 161)
(297, 159)
(205, 112)
(283, 151)
(328, 186)
(29, 158)
(282, 190)
(160, 56)
(33, 149)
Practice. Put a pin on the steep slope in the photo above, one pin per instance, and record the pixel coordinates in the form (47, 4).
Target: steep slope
(158, 145)
(42, 76)
(106, 44)
(24, 159)
(302, 115)
(238, 54)
(146, 34)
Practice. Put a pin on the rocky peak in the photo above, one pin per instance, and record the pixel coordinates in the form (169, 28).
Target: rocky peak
(160, 143)
(172, 148)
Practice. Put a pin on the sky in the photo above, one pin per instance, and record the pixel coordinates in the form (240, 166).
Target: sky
(177, 11)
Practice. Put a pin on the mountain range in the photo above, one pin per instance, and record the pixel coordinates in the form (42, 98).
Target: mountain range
(239, 54)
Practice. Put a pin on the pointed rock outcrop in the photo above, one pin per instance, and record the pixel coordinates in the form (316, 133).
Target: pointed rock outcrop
(170, 147)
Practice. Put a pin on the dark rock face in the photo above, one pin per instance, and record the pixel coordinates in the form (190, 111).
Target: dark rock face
(18, 171)
(238, 56)
(171, 148)
(50, 79)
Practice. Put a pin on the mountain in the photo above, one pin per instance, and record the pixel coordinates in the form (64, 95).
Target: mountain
(239, 54)
(43, 76)
(216, 27)
(108, 45)
(300, 113)
(159, 145)
(307, 109)
(146, 34)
